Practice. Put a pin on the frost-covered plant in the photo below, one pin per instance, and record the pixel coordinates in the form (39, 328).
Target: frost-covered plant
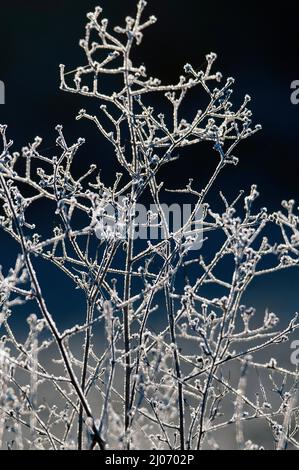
(183, 359)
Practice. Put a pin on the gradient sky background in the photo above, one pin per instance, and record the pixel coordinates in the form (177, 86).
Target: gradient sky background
(256, 43)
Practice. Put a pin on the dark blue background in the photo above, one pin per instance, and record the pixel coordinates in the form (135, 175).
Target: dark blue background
(256, 42)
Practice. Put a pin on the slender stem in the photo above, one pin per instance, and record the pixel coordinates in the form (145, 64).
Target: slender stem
(102, 270)
(177, 368)
(84, 370)
(126, 320)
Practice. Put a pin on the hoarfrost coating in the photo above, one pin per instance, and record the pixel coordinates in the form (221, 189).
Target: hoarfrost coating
(166, 355)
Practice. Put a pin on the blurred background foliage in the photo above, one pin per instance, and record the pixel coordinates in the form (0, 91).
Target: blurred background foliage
(256, 42)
